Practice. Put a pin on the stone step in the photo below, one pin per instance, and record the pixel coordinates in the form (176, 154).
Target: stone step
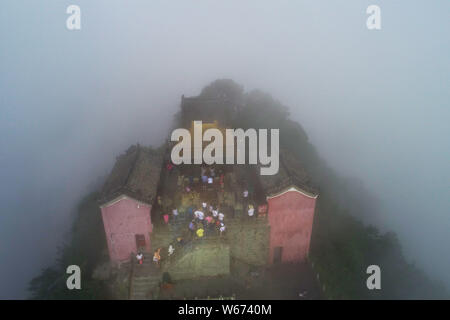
(140, 286)
(143, 284)
(144, 266)
(140, 292)
(145, 289)
(147, 278)
(146, 274)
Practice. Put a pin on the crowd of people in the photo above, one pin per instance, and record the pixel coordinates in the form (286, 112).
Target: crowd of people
(207, 182)
(205, 218)
(157, 253)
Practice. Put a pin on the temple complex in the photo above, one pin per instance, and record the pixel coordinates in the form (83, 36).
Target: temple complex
(205, 230)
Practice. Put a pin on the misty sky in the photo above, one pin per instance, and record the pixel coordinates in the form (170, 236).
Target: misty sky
(375, 103)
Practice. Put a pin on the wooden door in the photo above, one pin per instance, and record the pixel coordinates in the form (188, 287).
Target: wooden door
(140, 241)
(277, 254)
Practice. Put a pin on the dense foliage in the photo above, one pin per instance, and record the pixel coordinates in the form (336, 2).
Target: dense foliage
(85, 248)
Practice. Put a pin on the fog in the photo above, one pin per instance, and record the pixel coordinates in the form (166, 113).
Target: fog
(374, 103)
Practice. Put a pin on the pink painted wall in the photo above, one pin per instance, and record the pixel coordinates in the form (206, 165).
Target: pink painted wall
(122, 221)
(291, 218)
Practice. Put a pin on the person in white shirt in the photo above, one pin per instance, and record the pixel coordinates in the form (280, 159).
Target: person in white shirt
(222, 228)
(215, 213)
(245, 193)
(175, 213)
(210, 180)
(204, 204)
(201, 215)
(196, 213)
(251, 210)
(171, 250)
(221, 216)
(140, 257)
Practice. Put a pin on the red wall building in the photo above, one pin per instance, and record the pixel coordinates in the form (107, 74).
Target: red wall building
(128, 226)
(290, 215)
(126, 204)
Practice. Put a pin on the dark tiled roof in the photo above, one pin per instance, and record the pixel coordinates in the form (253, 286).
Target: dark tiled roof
(136, 174)
(206, 109)
(290, 174)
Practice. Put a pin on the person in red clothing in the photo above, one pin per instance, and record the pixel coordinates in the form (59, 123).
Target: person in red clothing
(209, 219)
(169, 167)
(140, 258)
(166, 218)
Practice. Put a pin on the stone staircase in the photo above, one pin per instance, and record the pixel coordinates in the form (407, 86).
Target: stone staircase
(145, 279)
